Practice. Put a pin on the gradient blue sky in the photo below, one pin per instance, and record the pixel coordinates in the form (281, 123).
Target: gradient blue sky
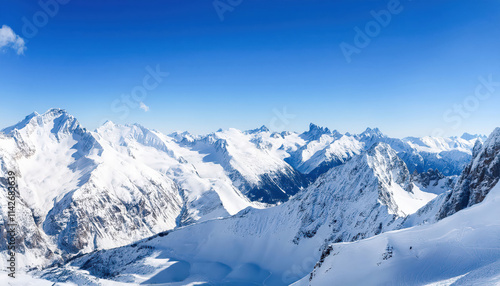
(264, 55)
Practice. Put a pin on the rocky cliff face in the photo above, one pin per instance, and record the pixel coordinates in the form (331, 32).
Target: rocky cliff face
(478, 178)
(434, 181)
(368, 195)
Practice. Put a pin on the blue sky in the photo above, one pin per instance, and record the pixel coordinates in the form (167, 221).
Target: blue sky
(417, 76)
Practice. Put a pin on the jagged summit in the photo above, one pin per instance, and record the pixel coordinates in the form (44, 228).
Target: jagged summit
(55, 121)
(55, 111)
(372, 132)
(263, 128)
(180, 136)
(108, 123)
(468, 136)
(315, 132)
(21, 124)
(380, 148)
(315, 128)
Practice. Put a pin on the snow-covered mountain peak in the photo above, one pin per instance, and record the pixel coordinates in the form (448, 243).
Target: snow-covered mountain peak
(130, 135)
(55, 112)
(493, 139)
(381, 161)
(21, 124)
(182, 137)
(107, 124)
(396, 189)
(57, 117)
(387, 165)
(315, 132)
(380, 148)
(477, 147)
(377, 175)
(369, 132)
(53, 132)
(55, 121)
(370, 136)
(263, 128)
(468, 136)
(63, 121)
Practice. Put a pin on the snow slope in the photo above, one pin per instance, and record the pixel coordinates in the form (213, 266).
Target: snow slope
(463, 249)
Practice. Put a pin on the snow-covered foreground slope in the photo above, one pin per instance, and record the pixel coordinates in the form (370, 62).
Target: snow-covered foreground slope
(463, 249)
(368, 195)
(27, 280)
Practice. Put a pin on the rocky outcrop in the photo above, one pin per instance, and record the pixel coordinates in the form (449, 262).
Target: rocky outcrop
(478, 178)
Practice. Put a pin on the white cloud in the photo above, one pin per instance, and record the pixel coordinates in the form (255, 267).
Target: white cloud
(9, 39)
(143, 106)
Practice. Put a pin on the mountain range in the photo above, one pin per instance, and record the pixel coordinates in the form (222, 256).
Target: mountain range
(128, 205)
